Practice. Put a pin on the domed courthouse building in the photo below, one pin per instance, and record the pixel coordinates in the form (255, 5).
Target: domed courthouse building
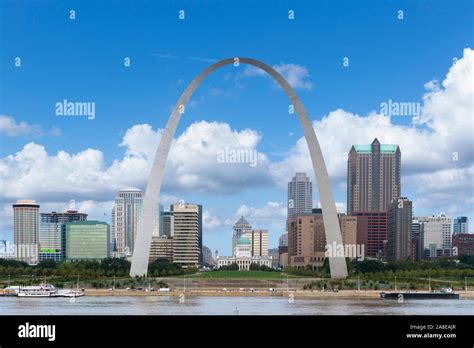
(243, 256)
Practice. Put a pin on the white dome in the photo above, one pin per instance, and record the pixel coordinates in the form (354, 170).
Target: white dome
(133, 189)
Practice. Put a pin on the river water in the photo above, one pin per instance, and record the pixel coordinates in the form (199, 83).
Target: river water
(162, 305)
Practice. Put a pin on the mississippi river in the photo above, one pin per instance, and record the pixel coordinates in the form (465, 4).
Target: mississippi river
(163, 305)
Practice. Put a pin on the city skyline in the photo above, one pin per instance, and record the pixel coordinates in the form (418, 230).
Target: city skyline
(94, 159)
(61, 215)
(74, 215)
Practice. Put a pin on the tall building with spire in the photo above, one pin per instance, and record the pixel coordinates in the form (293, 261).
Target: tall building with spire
(373, 177)
(300, 195)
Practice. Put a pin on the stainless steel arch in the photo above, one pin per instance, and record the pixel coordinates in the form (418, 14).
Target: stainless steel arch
(141, 252)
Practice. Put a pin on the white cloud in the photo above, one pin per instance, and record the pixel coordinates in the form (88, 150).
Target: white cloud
(11, 128)
(207, 60)
(429, 146)
(296, 75)
(193, 161)
(192, 165)
(270, 212)
(445, 127)
(95, 210)
(210, 220)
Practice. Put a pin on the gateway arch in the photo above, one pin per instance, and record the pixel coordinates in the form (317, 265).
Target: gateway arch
(141, 251)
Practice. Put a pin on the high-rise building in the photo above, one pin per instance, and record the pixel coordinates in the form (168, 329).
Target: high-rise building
(373, 177)
(417, 239)
(207, 257)
(283, 250)
(187, 238)
(437, 235)
(158, 227)
(68, 216)
(307, 238)
(274, 253)
(161, 248)
(372, 232)
(348, 229)
(50, 232)
(241, 227)
(460, 225)
(125, 214)
(168, 224)
(399, 217)
(85, 240)
(259, 242)
(50, 241)
(26, 230)
(283, 240)
(300, 195)
(464, 242)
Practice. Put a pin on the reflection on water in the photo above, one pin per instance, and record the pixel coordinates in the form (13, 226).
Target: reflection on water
(157, 305)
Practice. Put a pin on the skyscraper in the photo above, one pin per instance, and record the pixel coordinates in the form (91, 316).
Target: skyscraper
(307, 238)
(259, 242)
(417, 233)
(373, 176)
(68, 216)
(241, 226)
(157, 229)
(283, 250)
(50, 232)
(86, 240)
(26, 230)
(464, 242)
(300, 195)
(437, 235)
(50, 241)
(460, 225)
(161, 248)
(125, 214)
(187, 238)
(399, 218)
(168, 224)
(372, 232)
(207, 257)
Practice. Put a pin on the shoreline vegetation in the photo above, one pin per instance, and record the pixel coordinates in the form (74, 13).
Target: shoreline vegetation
(298, 294)
(368, 275)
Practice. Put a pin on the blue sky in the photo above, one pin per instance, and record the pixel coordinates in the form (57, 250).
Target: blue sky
(82, 60)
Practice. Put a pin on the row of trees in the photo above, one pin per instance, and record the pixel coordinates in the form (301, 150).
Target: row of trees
(166, 268)
(444, 266)
(376, 284)
(89, 268)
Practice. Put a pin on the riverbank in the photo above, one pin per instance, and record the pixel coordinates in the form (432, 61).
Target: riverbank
(307, 294)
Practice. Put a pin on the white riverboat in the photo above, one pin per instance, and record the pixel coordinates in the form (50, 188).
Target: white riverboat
(42, 290)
